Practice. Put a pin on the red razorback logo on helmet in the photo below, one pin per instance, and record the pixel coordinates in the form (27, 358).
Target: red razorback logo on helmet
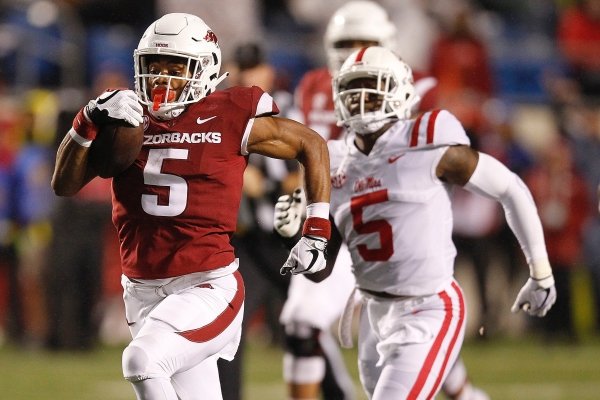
(211, 37)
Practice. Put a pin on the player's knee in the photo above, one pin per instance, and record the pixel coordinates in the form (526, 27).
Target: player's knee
(303, 370)
(302, 340)
(137, 365)
(303, 361)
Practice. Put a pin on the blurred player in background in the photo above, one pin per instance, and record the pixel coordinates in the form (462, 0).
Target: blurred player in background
(175, 208)
(255, 242)
(392, 178)
(312, 361)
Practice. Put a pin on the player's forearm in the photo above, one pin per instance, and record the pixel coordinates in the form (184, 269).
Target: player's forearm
(494, 180)
(70, 172)
(315, 161)
(522, 217)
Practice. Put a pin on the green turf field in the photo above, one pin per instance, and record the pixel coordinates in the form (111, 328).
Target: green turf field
(508, 370)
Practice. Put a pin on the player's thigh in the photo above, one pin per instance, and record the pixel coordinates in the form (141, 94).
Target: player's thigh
(187, 327)
(368, 358)
(418, 341)
(417, 371)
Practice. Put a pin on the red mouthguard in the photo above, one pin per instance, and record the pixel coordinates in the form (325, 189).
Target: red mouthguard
(158, 96)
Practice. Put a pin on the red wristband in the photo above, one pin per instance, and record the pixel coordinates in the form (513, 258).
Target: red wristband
(315, 226)
(84, 127)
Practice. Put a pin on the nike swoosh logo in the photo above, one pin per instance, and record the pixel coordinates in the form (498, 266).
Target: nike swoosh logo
(102, 100)
(527, 305)
(392, 160)
(547, 295)
(200, 121)
(315, 256)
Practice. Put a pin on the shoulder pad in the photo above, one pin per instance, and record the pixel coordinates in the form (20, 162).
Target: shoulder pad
(437, 128)
(259, 102)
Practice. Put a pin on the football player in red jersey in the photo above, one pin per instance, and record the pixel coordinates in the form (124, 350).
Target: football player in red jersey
(175, 208)
(312, 361)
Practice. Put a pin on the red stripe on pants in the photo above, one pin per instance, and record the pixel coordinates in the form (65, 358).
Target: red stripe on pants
(435, 349)
(223, 320)
(461, 320)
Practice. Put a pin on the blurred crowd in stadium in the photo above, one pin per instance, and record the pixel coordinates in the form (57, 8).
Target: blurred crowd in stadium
(522, 77)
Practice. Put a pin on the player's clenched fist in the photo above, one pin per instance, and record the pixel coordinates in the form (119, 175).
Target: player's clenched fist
(288, 213)
(308, 256)
(112, 106)
(115, 106)
(536, 297)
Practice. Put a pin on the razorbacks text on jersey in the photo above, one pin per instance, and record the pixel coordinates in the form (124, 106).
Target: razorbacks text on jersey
(392, 210)
(176, 207)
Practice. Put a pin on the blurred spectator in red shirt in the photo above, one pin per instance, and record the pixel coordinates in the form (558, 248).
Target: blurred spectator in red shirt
(578, 37)
(562, 199)
(460, 63)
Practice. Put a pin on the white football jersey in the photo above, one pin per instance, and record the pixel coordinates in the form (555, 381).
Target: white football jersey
(392, 210)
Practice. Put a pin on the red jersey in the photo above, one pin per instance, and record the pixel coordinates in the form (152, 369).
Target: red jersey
(176, 207)
(314, 99)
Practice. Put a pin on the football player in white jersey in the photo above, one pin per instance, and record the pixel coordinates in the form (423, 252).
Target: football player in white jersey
(312, 361)
(392, 178)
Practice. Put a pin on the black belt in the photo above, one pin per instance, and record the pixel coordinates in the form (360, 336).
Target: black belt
(384, 295)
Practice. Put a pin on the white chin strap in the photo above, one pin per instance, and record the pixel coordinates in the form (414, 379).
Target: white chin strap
(167, 111)
(172, 110)
(369, 123)
(367, 128)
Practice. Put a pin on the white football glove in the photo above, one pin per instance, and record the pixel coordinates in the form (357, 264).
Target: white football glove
(115, 105)
(289, 212)
(536, 297)
(306, 257)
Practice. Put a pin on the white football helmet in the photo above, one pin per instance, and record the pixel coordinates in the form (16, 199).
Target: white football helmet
(393, 92)
(185, 36)
(357, 20)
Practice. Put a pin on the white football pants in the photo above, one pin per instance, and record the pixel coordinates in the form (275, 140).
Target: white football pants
(407, 346)
(180, 328)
